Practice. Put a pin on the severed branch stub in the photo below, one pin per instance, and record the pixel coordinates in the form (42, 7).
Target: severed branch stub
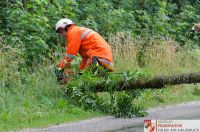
(153, 83)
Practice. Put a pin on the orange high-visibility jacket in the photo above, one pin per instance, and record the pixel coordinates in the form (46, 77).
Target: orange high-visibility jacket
(88, 44)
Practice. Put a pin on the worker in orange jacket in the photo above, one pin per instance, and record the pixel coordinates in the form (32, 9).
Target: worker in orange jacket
(88, 43)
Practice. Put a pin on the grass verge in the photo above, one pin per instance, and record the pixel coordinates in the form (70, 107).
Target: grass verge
(170, 95)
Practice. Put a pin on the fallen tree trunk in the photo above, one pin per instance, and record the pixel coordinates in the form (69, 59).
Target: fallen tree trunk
(154, 83)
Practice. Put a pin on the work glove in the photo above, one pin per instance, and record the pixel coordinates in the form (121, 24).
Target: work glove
(64, 76)
(59, 74)
(191, 34)
(196, 27)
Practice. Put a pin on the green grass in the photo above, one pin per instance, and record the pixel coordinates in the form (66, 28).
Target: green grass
(169, 95)
(30, 99)
(51, 117)
(37, 101)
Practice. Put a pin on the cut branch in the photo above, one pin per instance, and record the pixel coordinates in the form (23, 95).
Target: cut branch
(154, 83)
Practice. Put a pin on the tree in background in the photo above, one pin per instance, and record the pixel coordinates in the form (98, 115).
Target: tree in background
(30, 23)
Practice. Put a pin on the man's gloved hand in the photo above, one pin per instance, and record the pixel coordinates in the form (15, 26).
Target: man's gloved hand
(63, 76)
(59, 74)
(196, 27)
(191, 34)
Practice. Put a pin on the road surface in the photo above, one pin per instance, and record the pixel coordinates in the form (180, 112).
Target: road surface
(186, 111)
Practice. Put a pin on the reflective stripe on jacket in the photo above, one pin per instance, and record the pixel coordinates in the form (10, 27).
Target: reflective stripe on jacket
(87, 43)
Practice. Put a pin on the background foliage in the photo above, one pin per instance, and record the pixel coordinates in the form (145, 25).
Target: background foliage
(31, 22)
(150, 34)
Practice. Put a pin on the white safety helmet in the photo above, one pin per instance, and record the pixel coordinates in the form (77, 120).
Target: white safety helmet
(63, 23)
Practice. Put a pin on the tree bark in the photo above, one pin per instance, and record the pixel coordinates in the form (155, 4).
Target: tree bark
(154, 83)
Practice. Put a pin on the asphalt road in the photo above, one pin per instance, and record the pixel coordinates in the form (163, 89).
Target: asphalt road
(185, 111)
